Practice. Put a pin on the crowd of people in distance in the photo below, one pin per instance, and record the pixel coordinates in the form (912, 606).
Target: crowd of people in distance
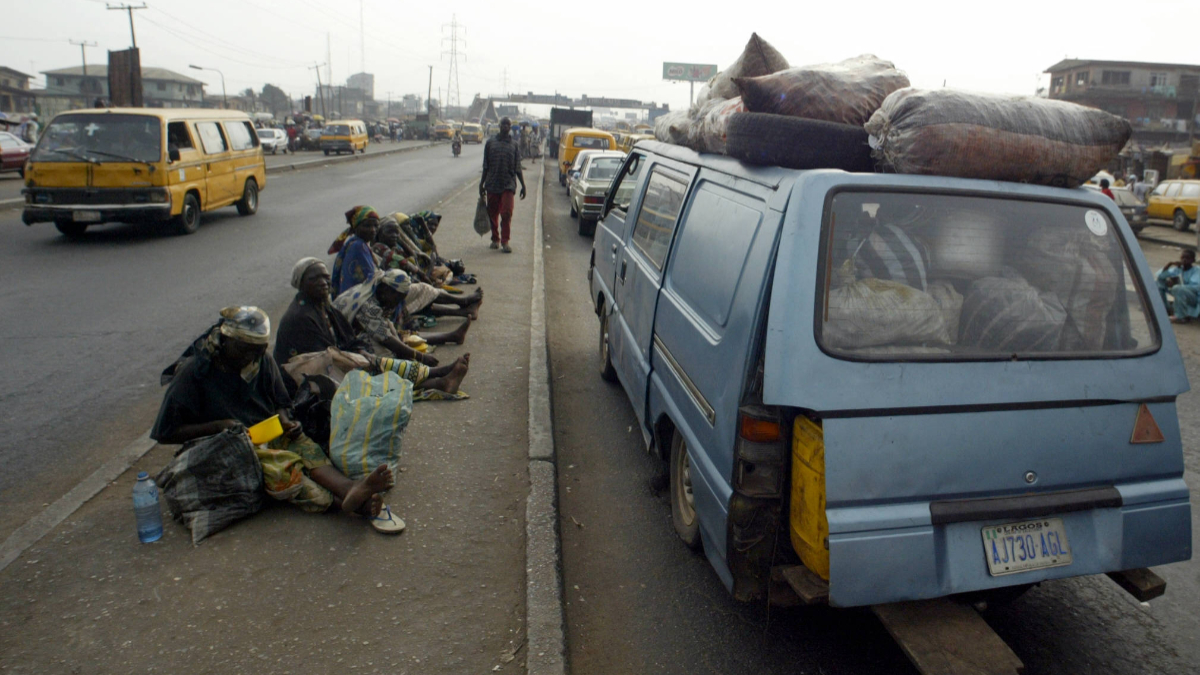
(388, 286)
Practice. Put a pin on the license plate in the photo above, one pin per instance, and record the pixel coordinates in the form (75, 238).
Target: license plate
(86, 216)
(1024, 546)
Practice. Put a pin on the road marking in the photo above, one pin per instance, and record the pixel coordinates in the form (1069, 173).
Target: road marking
(545, 654)
(45, 522)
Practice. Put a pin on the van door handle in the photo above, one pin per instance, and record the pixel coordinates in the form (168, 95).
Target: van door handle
(614, 248)
(624, 264)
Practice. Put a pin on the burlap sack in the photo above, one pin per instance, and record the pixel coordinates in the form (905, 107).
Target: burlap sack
(846, 92)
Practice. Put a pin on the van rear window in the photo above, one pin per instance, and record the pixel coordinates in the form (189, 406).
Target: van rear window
(101, 138)
(911, 276)
(590, 142)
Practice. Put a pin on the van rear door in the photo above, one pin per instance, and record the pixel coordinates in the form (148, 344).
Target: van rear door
(980, 355)
(641, 262)
(218, 170)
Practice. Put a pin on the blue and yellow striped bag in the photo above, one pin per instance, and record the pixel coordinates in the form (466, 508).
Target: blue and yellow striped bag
(368, 418)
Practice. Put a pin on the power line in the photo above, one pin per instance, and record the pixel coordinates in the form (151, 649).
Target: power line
(128, 8)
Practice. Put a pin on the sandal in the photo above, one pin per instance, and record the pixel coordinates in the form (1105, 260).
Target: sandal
(387, 522)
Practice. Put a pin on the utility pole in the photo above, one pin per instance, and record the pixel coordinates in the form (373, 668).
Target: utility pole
(329, 62)
(362, 36)
(320, 88)
(452, 97)
(83, 45)
(129, 8)
(389, 95)
(429, 94)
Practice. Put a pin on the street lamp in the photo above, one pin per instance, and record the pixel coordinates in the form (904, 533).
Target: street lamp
(224, 100)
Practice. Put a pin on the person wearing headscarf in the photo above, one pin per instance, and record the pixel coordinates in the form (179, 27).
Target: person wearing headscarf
(311, 324)
(355, 263)
(227, 381)
(370, 307)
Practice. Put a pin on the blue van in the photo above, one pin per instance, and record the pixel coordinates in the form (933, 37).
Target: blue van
(925, 385)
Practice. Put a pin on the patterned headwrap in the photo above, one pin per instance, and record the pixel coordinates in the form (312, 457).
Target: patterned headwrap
(301, 267)
(247, 324)
(354, 298)
(340, 241)
(361, 214)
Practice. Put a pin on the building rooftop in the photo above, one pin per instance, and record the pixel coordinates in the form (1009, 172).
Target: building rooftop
(14, 71)
(148, 73)
(1071, 64)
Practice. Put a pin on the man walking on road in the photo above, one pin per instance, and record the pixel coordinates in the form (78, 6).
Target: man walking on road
(501, 171)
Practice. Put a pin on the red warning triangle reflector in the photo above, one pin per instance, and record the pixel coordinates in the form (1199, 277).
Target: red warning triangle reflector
(1145, 429)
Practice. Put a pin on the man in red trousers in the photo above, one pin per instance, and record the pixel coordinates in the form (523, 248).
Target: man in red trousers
(501, 172)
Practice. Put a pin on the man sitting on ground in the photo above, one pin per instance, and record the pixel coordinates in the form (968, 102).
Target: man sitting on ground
(370, 306)
(1181, 281)
(226, 380)
(311, 324)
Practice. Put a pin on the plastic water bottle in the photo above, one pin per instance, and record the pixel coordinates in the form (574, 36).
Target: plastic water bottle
(146, 508)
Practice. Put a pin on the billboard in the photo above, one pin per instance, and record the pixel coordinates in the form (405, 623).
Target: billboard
(689, 72)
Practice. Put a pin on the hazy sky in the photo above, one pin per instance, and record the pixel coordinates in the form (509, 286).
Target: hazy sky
(613, 48)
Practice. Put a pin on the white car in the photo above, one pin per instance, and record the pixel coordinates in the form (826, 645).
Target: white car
(579, 159)
(273, 140)
(589, 185)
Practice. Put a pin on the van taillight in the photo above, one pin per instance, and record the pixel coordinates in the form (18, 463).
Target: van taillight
(760, 455)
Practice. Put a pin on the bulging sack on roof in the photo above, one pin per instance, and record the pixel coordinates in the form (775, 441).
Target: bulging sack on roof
(673, 128)
(846, 92)
(1012, 138)
(758, 58)
(708, 131)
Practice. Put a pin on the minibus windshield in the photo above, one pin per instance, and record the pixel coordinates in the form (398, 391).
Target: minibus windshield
(337, 130)
(100, 138)
(913, 276)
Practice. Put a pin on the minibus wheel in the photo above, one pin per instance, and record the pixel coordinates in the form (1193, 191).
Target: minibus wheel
(1181, 220)
(248, 206)
(70, 229)
(607, 372)
(683, 505)
(188, 220)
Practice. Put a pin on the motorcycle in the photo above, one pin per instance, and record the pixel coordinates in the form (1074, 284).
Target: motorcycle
(457, 147)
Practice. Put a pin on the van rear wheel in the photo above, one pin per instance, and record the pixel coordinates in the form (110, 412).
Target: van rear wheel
(1181, 220)
(607, 372)
(248, 205)
(683, 504)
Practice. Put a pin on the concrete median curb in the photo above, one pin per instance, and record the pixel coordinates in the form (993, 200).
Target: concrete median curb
(545, 652)
(324, 160)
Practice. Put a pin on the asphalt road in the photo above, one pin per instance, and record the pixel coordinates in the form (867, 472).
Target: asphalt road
(11, 183)
(639, 602)
(89, 324)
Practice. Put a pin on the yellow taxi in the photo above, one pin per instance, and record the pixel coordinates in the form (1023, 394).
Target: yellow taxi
(580, 138)
(1175, 200)
(630, 140)
(142, 165)
(344, 136)
(443, 130)
(472, 133)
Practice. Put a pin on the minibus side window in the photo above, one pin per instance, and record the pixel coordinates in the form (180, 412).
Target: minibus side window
(211, 137)
(659, 213)
(178, 137)
(241, 135)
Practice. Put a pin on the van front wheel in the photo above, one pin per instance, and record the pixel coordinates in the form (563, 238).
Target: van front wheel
(683, 504)
(248, 205)
(188, 220)
(1181, 221)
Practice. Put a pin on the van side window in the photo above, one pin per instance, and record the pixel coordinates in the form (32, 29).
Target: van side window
(712, 249)
(660, 211)
(241, 135)
(211, 137)
(1173, 190)
(178, 136)
(1190, 190)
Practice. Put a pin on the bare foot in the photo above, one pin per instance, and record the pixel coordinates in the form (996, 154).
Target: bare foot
(473, 310)
(459, 335)
(371, 507)
(457, 374)
(377, 481)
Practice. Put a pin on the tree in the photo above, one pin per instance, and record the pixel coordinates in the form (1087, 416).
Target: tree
(276, 100)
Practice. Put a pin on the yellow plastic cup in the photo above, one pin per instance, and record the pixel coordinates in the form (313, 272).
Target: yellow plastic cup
(266, 430)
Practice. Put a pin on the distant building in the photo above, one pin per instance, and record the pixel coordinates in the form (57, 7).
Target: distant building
(1158, 99)
(364, 82)
(69, 88)
(412, 104)
(15, 96)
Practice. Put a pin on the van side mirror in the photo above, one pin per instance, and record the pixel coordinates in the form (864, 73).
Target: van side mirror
(173, 154)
